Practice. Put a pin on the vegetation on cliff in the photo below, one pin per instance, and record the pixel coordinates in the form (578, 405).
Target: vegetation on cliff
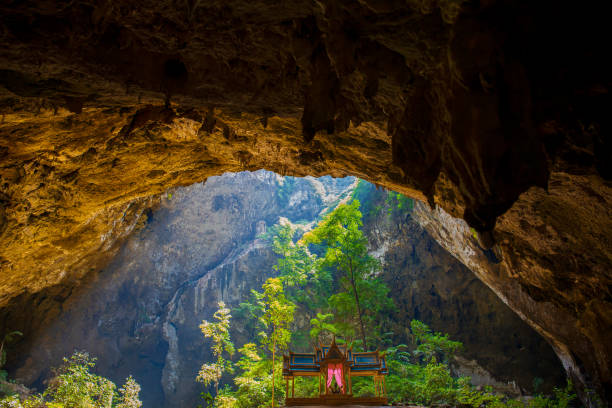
(219, 332)
(75, 386)
(328, 277)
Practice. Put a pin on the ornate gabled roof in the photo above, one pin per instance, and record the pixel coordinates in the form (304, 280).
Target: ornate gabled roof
(334, 352)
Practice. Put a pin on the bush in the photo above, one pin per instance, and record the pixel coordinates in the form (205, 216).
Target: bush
(419, 378)
(74, 386)
(129, 394)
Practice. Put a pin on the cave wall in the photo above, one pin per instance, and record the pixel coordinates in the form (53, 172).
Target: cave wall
(495, 110)
(428, 284)
(201, 244)
(140, 315)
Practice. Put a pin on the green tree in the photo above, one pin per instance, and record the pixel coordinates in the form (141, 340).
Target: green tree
(254, 381)
(305, 282)
(75, 386)
(276, 318)
(294, 265)
(128, 394)
(321, 324)
(345, 250)
(219, 332)
(432, 345)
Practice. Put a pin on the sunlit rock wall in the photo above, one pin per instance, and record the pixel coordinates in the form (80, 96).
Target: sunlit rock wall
(140, 315)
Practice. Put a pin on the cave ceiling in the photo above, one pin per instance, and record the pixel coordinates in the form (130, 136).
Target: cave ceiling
(495, 112)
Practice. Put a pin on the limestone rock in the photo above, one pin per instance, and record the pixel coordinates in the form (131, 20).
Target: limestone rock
(476, 106)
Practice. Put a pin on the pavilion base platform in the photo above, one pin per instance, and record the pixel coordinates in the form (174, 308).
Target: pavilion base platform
(336, 400)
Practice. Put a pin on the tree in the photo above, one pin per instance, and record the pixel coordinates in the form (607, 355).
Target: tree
(254, 381)
(305, 281)
(295, 265)
(75, 386)
(276, 318)
(346, 250)
(433, 346)
(219, 332)
(128, 394)
(321, 324)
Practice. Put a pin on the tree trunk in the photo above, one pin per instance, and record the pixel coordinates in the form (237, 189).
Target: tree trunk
(363, 336)
(273, 357)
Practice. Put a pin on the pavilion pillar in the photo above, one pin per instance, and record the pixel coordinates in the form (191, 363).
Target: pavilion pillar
(375, 386)
(384, 386)
(350, 383)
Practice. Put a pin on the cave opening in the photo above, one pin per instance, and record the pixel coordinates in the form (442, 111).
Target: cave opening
(194, 246)
(495, 111)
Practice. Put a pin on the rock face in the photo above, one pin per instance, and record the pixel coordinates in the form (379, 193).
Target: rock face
(522, 282)
(427, 283)
(140, 315)
(497, 110)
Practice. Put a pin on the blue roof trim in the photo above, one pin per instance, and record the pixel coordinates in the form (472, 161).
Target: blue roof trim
(306, 369)
(300, 360)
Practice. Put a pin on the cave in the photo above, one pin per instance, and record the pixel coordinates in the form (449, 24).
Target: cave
(206, 243)
(494, 113)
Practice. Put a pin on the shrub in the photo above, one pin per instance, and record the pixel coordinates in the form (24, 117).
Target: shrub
(75, 386)
(128, 394)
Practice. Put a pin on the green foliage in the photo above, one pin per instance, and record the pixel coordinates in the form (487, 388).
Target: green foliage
(208, 399)
(333, 280)
(219, 332)
(276, 318)
(255, 380)
(225, 398)
(298, 269)
(435, 384)
(468, 395)
(128, 394)
(361, 297)
(277, 315)
(424, 377)
(418, 377)
(431, 345)
(397, 202)
(563, 398)
(322, 324)
(14, 401)
(75, 386)
(364, 192)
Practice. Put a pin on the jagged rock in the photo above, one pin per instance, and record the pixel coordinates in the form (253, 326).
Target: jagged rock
(202, 244)
(476, 106)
